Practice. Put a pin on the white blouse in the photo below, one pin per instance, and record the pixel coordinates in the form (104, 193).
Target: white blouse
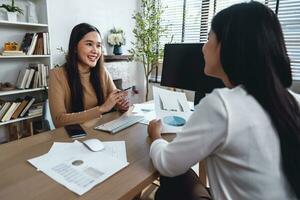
(235, 136)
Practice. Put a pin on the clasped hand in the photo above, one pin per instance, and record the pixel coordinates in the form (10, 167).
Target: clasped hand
(116, 98)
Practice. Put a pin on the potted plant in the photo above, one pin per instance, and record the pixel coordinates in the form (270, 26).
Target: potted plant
(116, 38)
(148, 30)
(12, 11)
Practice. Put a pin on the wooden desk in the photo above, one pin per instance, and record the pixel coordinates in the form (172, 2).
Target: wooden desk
(20, 180)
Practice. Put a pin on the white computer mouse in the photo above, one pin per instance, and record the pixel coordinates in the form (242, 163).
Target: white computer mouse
(93, 144)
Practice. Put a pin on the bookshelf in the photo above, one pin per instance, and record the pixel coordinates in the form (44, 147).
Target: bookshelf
(10, 66)
(25, 24)
(11, 92)
(19, 119)
(31, 56)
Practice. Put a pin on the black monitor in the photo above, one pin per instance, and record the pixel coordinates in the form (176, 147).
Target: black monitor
(183, 67)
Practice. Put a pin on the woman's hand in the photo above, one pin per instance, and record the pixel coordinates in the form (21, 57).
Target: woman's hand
(114, 97)
(123, 104)
(154, 129)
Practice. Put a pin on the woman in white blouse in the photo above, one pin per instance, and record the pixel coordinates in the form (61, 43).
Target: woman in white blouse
(248, 133)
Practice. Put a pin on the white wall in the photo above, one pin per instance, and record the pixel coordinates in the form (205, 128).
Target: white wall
(104, 14)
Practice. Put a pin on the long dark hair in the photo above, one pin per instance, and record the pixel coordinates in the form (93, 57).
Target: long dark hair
(253, 53)
(78, 32)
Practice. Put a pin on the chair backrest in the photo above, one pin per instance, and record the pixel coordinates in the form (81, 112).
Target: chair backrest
(47, 114)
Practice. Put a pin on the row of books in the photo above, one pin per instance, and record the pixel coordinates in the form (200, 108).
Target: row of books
(34, 76)
(14, 110)
(36, 44)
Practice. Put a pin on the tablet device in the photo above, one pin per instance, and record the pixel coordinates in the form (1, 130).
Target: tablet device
(75, 131)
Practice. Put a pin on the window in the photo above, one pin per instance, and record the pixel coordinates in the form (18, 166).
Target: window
(184, 20)
(289, 17)
(189, 21)
(173, 19)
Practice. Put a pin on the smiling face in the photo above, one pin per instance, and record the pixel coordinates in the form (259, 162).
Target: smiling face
(89, 50)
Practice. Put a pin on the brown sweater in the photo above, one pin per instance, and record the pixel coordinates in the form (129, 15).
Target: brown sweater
(60, 97)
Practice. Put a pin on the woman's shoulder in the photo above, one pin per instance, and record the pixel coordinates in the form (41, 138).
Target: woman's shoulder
(224, 96)
(59, 71)
(238, 91)
(58, 74)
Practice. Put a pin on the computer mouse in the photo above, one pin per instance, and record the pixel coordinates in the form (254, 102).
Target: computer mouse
(93, 144)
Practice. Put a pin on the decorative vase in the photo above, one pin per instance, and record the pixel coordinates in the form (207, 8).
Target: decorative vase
(11, 16)
(117, 50)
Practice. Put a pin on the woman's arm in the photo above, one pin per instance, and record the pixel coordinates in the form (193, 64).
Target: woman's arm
(58, 108)
(203, 134)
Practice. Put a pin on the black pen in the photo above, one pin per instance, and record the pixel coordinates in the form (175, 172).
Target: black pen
(124, 89)
(127, 88)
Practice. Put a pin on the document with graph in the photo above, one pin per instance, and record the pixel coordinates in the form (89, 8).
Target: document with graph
(79, 169)
(172, 108)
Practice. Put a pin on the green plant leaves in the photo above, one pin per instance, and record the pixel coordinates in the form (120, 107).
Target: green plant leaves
(12, 7)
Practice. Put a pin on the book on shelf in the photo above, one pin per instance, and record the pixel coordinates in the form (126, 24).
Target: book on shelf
(4, 109)
(10, 111)
(39, 47)
(31, 101)
(35, 76)
(12, 53)
(35, 80)
(26, 42)
(47, 44)
(30, 78)
(21, 107)
(45, 49)
(32, 45)
(36, 109)
(22, 78)
(36, 44)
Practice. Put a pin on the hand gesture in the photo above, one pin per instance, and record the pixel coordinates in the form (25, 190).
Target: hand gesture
(114, 97)
(123, 104)
(155, 129)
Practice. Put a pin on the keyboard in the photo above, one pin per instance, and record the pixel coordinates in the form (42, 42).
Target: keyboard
(119, 124)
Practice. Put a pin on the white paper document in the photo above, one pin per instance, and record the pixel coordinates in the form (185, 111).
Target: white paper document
(172, 108)
(146, 110)
(78, 168)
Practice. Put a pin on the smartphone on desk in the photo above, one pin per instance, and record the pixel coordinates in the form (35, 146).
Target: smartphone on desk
(75, 131)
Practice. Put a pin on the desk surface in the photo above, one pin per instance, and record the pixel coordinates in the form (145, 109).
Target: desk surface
(20, 180)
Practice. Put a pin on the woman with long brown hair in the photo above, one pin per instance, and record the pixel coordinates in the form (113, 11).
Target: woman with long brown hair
(82, 89)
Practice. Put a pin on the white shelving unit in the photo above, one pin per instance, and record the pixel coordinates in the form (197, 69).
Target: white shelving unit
(31, 56)
(11, 65)
(19, 119)
(25, 24)
(11, 92)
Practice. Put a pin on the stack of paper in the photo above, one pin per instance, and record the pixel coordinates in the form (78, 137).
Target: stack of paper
(78, 168)
(146, 110)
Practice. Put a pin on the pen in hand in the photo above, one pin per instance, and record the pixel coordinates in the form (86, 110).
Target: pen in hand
(125, 89)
